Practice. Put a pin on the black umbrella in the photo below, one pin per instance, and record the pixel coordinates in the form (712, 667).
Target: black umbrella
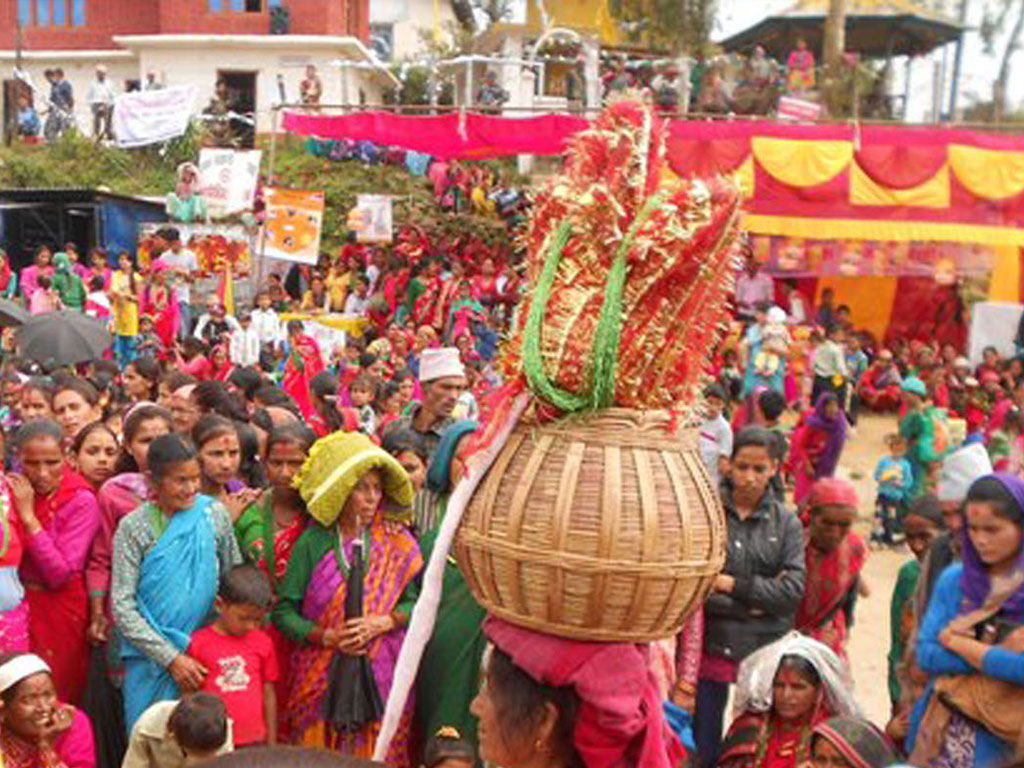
(65, 337)
(12, 313)
(352, 699)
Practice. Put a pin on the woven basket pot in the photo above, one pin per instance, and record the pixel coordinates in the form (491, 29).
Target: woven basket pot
(602, 527)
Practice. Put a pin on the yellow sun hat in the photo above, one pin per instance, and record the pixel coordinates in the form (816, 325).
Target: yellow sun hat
(334, 467)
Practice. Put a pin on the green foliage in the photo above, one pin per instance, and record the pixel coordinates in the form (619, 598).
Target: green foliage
(682, 26)
(75, 161)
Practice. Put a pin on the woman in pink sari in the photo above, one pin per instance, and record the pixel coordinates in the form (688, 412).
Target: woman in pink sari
(817, 443)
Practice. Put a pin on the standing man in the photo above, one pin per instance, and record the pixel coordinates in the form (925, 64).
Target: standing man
(442, 380)
(152, 83)
(185, 268)
(753, 287)
(101, 101)
(62, 105)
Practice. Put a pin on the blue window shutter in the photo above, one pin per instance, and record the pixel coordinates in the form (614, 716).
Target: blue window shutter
(24, 12)
(78, 13)
(60, 13)
(43, 13)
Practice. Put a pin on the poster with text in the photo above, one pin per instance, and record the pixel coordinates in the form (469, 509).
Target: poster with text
(293, 224)
(229, 179)
(375, 218)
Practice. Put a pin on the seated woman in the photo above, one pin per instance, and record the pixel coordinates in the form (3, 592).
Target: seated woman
(38, 730)
(784, 691)
(849, 742)
(179, 538)
(970, 641)
(551, 702)
(879, 387)
(345, 482)
(835, 556)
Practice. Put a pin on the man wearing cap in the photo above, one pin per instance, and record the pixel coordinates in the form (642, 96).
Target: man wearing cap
(101, 101)
(184, 266)
(879, 387)
(442, 379)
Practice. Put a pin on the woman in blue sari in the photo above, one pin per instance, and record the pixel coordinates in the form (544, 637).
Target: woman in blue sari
(168, 557)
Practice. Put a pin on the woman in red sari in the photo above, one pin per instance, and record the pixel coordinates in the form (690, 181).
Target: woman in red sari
(817, 444)
(835, 556)
(304, 362)
(60, 517)
(784, 691)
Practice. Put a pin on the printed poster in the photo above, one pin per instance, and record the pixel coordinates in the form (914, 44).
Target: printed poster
(293, 224)
(375, 218)
(228, 178)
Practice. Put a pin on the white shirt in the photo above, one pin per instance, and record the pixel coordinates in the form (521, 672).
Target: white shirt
(797, 309)
(101, 93)
(372, 273)
(244, 346)
(356, 305)
(267, 325)
(715, 443)
(183, 259)
(205, 318)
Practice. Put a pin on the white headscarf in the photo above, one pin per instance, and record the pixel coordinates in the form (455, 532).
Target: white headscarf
(756, 675)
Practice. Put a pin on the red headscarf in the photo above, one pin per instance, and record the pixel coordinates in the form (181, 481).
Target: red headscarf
(620, 722)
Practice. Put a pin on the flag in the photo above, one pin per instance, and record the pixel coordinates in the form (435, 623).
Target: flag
(226, 291)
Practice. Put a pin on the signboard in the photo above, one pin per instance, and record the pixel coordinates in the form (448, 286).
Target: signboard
(798, 109)
(375, 218)
(228, 179)
(215, 246)
(149, 117)
(293, 223)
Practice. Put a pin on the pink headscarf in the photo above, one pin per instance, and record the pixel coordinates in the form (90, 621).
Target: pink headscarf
(620, 722)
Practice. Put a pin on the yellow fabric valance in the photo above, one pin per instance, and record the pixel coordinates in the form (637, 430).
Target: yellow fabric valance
(988, 173)
(801, 163)
(880, 229)
(933, 193)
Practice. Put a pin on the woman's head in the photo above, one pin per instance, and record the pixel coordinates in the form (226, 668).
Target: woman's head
(124, 261)
(143, 424)
(922, 524)
(796, 689)
(753, 463)
(411, 452)
(75, 404)
(994, 521)
(522, 721)
(828, 406)
(219, 448)
(174, 472)
(29, 696)
(39, 453)
(94, 453)
(43, 256)
(833, 510)
(170, 383)
(36, 399)
(287, 449)
(850, 742)
(142, 379)
(184, 410)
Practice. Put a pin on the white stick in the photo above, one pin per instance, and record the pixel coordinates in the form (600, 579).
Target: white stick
(424, 614)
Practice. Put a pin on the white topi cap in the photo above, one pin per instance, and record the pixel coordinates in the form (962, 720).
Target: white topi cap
(20, 667)
(960, 469)
(440, 363)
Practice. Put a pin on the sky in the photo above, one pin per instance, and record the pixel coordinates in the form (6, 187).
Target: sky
(978, 69)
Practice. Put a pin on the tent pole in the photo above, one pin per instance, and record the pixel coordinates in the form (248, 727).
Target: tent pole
(954, 85)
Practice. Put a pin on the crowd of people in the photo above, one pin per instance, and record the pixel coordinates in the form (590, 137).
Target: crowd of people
(214, 539)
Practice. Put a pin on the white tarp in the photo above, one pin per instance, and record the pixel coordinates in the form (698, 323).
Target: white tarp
(993, 324)
(149, 117)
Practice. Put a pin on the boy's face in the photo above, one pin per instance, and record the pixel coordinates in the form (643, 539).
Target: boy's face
(238, 619)
(360, 397)
(897, 447)
(713, 407)
(264, 301)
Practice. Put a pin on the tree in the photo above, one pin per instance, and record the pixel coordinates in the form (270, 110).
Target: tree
(996, 13)
(835, 42)
(469, 12)
(682, 26)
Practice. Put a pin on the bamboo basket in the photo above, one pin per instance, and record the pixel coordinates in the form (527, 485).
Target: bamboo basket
(601, 527)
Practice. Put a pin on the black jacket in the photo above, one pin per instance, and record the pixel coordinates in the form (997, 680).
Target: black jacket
(766, 557)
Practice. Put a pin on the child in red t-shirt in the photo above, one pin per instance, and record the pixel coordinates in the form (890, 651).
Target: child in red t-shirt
(241, 666)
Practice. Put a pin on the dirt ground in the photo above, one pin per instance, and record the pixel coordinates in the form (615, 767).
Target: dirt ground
(869, 640)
